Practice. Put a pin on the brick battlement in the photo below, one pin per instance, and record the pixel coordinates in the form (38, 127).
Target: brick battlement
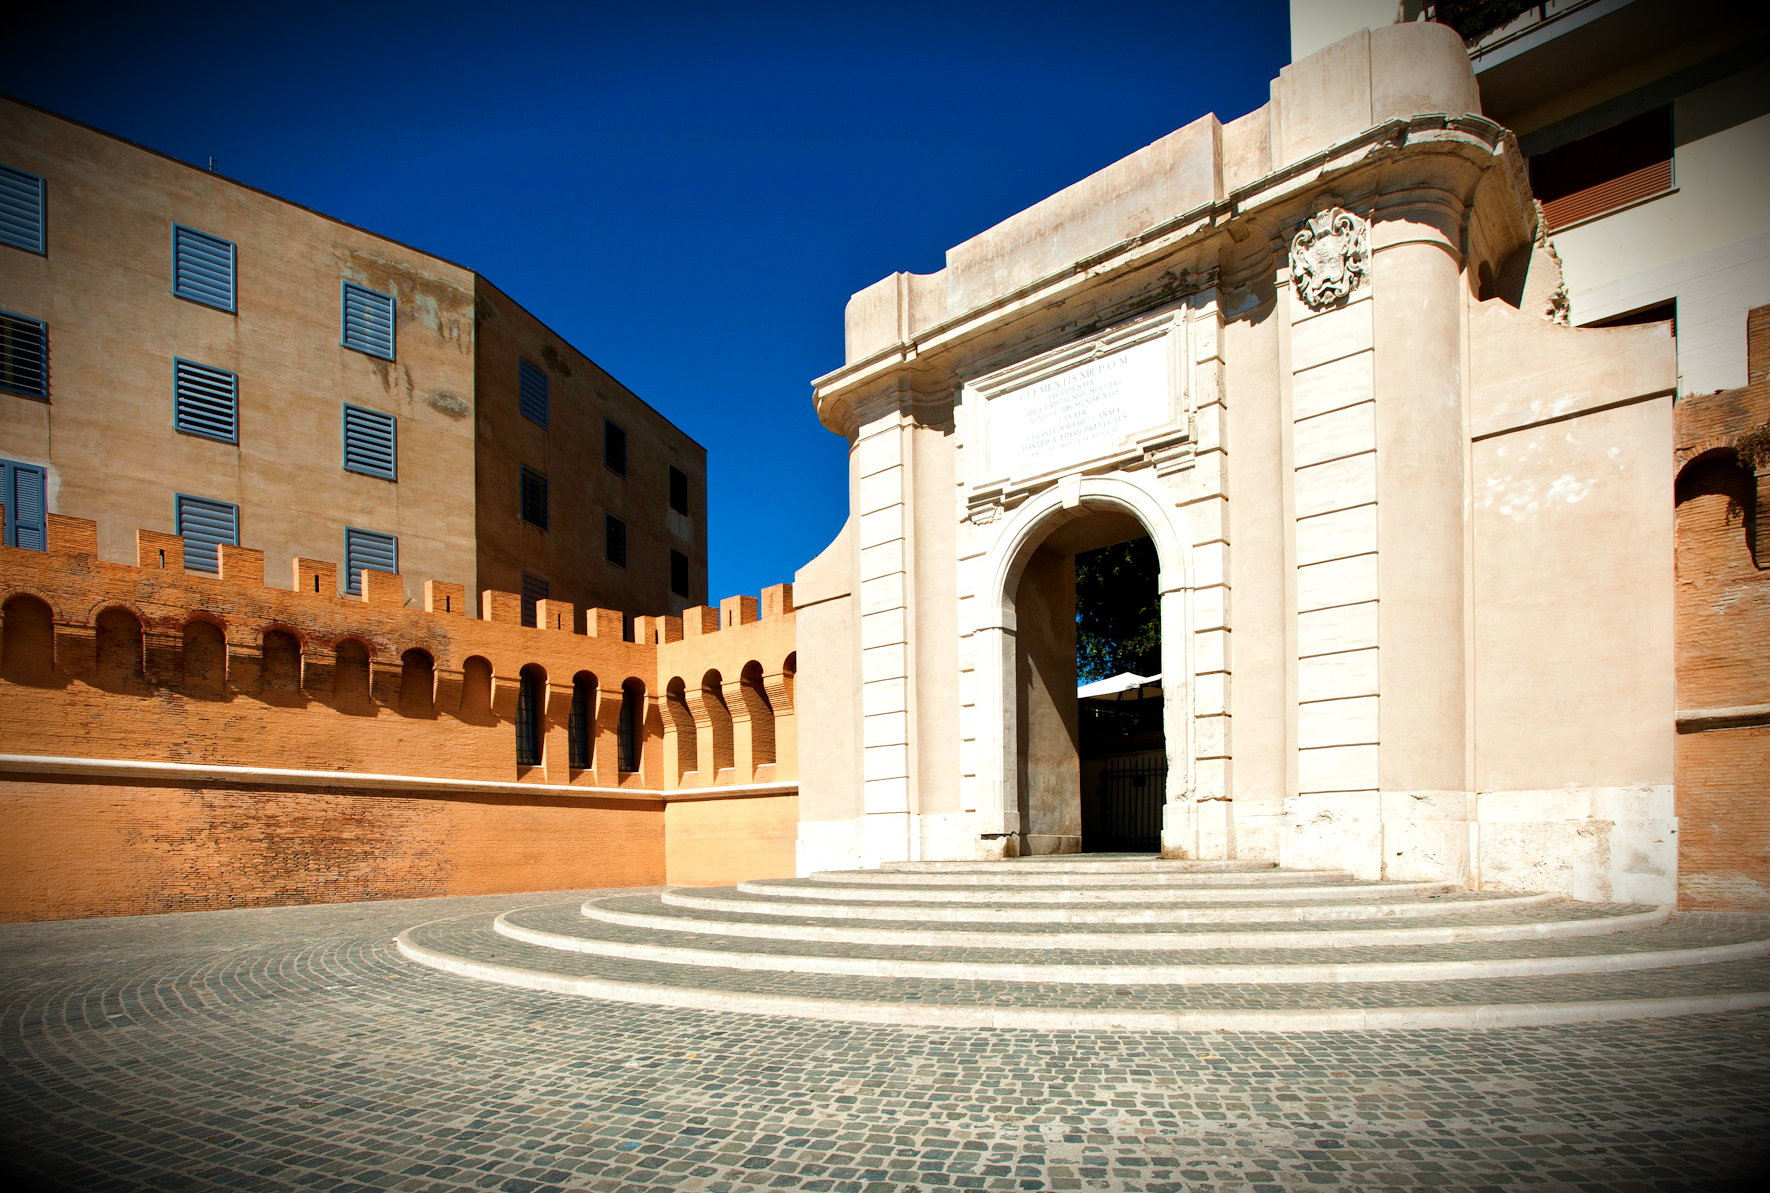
(152, 662)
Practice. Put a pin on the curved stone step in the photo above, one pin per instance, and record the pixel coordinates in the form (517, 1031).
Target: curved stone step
(561, 927)
(1558, 919)
(1435, 900)
(803, 888)
(1083, 863)
(1017, 877)
(469, 946)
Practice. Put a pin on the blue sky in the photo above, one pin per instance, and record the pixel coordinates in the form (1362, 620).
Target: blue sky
(688, 193)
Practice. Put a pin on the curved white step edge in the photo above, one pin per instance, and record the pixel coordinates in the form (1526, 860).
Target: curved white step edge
(1082, 863)
(1137, 975)
(1048, 879)
(1137, 896)
(1120, 914)
(1058, 1019)
(1131, 941)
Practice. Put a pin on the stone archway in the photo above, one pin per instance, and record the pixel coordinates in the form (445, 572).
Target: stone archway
(1001, 821)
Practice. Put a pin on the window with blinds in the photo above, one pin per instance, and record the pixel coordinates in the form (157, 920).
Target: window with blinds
(1611, 169)
(531, 392)
(205, 401)
(371, 444)
(533, 498)
(21, 211)
(368, 321)
(204, 525)
(367, 549)
(614, 448)
(614, 544)
(24, 355)
(534, 591)
(202, 268)
(22, 492)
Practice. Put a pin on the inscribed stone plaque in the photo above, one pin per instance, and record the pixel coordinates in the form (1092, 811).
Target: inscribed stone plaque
(1079, 413)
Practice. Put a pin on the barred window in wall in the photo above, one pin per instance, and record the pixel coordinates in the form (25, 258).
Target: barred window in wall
(578, 727)
(534, 591)
(534, 497)
(528, 718)
(367, 549)
(205, 401)
(627, 731)
(371, 442)
(614, 535)
(368, 321)
(531, 392)
(202, 268)
(24, 355)
(21, 211)
(205, 524)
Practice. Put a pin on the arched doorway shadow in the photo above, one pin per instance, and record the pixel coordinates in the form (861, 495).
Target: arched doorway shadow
(1029, 748)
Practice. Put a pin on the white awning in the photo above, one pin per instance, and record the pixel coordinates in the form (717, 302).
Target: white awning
(1122, 687)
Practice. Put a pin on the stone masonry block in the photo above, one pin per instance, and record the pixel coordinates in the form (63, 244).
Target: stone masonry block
(557, 615)
(318, 673)
(155, 550)
(384, 681)
(777, 600)
(76, 650)
(701, 619)
(505, 689)
(384, 590)
(445, 598)
(739, 610)
(316, 577)
(448, 689)
(245, 667)
(608, 623)
(501, 607)
(241, 565)
(72, 536)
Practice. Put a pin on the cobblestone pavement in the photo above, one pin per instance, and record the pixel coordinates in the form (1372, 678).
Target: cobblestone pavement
(293, 1048)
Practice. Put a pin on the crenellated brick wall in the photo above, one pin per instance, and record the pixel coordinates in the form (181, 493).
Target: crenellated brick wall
(1723, 568)
(173, 740)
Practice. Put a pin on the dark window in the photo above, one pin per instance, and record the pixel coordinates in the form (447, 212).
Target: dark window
(534, 591)
(21, 491)
(24, 355)
(1664, 312)
(205, 525)
(578, 726)
(614, 448)
(202, 268)
(627, 732)
(1610, 169)
(534, 497)
(679, 573)
(528, 718)
(371, 442)
(614, 547)
(21, 210)
(679, 490)
(205, 401)
(368, 321)
(367, 549)
(531, 392)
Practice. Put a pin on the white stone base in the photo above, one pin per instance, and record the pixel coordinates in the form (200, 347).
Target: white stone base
(827, 845)
(1602, 844)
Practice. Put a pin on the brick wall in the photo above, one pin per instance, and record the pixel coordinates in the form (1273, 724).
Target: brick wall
(1723, 606)
(149, 717)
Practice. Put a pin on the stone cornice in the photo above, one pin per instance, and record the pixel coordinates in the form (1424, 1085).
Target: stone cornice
(930, 352)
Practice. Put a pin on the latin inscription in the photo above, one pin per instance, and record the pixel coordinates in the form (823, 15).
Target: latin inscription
(1079, 413)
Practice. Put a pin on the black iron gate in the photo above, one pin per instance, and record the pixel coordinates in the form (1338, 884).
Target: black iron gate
(1132, 790)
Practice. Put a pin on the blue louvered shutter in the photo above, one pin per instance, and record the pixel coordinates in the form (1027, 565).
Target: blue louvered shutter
(205, 525)
(370, 442)
(22, 491)
(24, 355)
(368, 321)
(21, 210)
(531, 392)
(205, 401)
(367, 549)
(534, 590)
(202, 268)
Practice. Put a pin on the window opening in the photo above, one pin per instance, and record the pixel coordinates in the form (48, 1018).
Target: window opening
(614, 448)
(534, 497)
(614, 540)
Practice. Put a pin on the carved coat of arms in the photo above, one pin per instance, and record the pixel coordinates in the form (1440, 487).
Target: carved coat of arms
(1329, 254)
